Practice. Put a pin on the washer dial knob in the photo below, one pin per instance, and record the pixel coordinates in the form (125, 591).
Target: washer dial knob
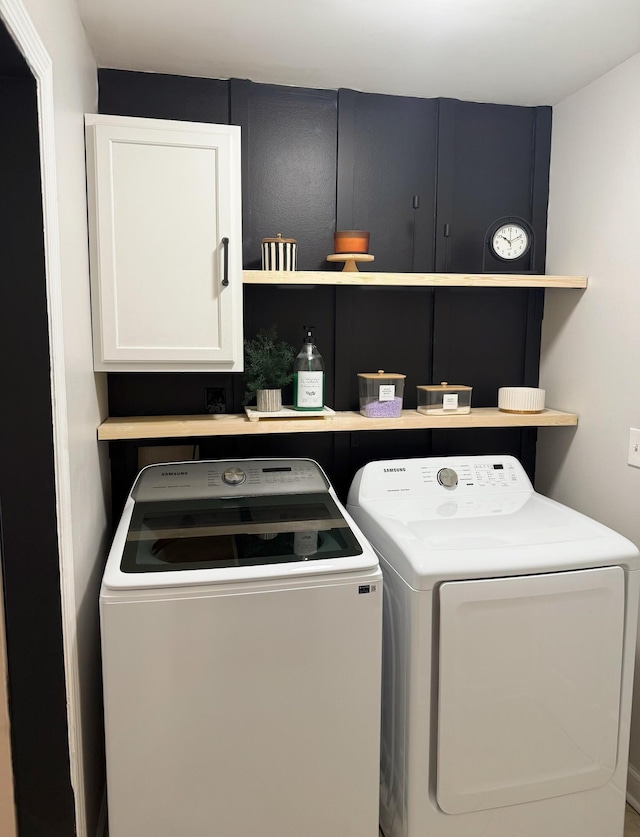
(447, 477)
(234, 476)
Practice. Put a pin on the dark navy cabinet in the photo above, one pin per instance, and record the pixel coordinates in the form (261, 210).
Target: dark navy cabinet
(162, 96)
(387, 177)
(493, 163)
(289, 146)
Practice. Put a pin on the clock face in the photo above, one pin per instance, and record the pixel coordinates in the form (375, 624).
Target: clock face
(510, 241)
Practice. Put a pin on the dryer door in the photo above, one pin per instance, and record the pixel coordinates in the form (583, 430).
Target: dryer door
(529, 687)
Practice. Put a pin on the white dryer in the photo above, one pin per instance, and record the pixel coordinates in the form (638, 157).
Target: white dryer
(241, 618)
(508, 653)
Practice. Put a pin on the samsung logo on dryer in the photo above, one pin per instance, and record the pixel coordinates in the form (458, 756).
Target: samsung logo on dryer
(174, 473)
(393, 470)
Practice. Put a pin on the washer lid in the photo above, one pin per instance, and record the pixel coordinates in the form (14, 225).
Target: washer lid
(220, 533)
(210, 533)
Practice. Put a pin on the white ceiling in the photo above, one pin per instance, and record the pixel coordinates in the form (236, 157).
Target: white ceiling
(526, 52)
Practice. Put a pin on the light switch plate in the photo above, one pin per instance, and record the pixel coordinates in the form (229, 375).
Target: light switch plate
(634, 447)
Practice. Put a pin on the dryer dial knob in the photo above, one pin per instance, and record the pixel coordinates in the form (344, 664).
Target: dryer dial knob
(234, 476)
(447, 477)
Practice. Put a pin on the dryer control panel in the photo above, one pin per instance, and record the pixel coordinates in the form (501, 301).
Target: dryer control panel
(440, 476)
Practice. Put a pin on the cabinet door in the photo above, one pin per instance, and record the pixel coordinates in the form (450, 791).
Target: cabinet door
(289, 137)
(493, 162)
(387, 176)
(166, 290)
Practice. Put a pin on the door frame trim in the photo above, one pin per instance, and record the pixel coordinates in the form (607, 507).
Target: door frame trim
(25, 35)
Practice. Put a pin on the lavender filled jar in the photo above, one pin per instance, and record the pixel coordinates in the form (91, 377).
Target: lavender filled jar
(381, 394)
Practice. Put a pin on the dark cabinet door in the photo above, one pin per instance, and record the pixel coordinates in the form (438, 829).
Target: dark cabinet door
(486, 338)
(289, 147)
(493, 162)
(386, 176)
(382, 328)
(290, 309)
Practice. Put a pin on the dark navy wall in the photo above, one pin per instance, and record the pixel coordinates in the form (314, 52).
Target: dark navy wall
(426, 177)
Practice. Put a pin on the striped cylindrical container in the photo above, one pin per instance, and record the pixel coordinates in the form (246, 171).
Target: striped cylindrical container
(279, 253)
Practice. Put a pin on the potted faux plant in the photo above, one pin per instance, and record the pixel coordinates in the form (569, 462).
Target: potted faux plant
(268, 366)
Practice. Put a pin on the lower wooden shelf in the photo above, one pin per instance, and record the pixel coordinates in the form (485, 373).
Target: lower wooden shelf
(175, 427)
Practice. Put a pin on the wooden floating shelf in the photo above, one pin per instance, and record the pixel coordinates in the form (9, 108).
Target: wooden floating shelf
(411, 280)
(175, 427)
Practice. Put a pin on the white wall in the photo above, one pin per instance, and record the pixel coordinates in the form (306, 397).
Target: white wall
(591, 340)
(81, 467)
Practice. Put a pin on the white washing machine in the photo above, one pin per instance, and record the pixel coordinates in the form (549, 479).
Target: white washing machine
(508, 653)
(241, 617)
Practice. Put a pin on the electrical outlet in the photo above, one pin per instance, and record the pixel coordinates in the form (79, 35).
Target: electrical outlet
(215, 400)
(634, 447)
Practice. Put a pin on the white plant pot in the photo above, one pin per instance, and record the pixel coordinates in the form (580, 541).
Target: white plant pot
(269, 400)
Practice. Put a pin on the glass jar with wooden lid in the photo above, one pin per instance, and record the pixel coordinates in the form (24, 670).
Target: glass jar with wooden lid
(444, 399)
(381, 394)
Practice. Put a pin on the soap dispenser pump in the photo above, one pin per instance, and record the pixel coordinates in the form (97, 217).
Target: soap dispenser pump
(308, 375)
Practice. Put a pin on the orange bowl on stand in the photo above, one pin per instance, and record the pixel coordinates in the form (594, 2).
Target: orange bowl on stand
(351, 241)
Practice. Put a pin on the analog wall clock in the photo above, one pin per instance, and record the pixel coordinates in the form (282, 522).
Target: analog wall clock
(510, 239)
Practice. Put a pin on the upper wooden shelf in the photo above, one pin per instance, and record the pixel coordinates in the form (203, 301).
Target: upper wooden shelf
(411, 280)
(175, 427)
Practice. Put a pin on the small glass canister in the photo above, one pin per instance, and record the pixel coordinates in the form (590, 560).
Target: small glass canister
(444, 399)
(279, 253)
(381, 394)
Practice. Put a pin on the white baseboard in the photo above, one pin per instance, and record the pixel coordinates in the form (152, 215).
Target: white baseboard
(633, 787)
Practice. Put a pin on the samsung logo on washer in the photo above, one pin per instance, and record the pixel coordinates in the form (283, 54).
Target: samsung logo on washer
(393, 470)
(174, 473)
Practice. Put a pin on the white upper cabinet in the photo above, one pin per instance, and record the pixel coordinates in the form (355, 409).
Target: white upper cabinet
(166, 244)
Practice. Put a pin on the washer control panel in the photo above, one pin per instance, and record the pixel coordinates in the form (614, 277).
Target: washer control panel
(440, 476)
(234, 476)
(447, 477)
(224, 478)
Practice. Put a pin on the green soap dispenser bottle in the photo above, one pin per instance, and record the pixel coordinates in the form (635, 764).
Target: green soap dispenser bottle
(308, 375)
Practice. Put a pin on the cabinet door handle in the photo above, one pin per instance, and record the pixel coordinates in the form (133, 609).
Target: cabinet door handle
(225, 262)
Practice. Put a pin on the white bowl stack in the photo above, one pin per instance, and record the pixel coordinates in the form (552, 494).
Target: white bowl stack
(521, 399)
